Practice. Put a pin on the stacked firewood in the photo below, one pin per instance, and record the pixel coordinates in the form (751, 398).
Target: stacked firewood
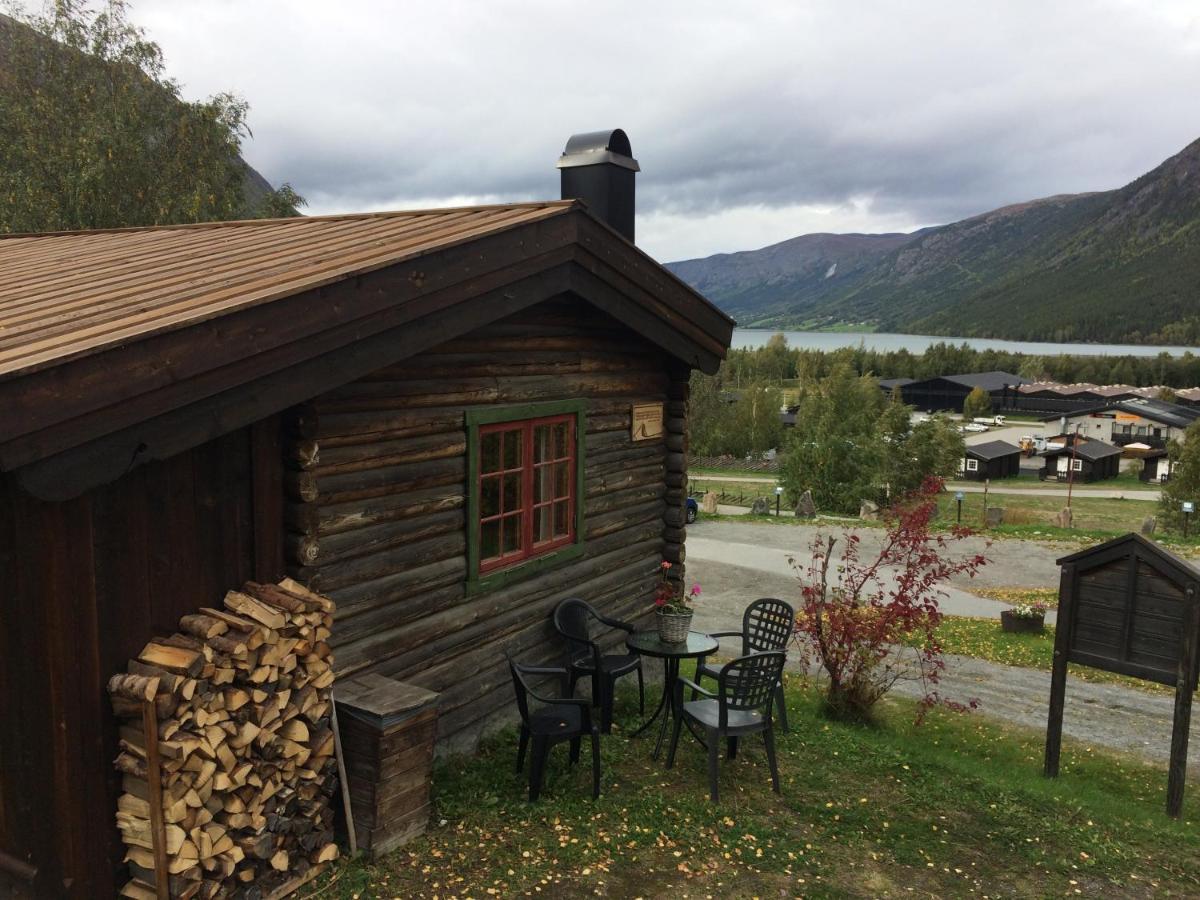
(245, 750)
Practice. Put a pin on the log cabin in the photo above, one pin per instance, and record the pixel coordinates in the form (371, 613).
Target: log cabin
(1087, 460)
(991, 459)
(447, 420)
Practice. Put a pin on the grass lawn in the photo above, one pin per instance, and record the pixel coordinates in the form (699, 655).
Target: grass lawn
(955, 807)
(1126, 481)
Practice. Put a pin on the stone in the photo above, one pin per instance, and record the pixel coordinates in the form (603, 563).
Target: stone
(806, 509)
(761, 507)
(1149, 524)
(1064, 518)
(709, 503)
(994, 516)
(868, 511)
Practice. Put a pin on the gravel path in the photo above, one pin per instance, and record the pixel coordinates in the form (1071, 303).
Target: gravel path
(737, 562)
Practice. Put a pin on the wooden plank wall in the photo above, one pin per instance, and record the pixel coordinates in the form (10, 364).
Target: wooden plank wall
(83, 585)
(376, 502)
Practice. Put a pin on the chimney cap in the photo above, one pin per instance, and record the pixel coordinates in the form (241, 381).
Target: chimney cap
(597, 147)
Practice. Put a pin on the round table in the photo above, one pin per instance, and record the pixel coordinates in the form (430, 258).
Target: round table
(647, 643)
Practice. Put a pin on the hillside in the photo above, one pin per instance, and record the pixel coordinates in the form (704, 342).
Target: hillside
(1121, 265)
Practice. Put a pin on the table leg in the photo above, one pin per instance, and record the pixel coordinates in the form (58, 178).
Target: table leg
(671, 678)
(662, 701)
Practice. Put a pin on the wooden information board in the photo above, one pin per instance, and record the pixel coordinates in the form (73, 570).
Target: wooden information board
(647, 421)
(1129, 606)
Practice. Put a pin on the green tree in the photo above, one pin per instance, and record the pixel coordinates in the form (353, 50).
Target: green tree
(1184, 483)
(94, 135)
(933, 447)
(836, 449)
(978, 403)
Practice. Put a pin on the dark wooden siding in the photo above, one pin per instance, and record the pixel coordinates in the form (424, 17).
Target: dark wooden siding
(84, 584)
(385, 536)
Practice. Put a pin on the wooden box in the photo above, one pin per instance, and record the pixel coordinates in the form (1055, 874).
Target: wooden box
(388, 729)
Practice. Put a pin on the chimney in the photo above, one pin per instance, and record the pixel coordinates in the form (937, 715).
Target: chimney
(598, 168)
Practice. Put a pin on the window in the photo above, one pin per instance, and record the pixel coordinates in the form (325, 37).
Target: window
(525, 484)
(1077, 465)
(972, 465)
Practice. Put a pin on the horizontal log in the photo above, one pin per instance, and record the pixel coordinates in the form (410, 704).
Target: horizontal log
(605, 482)
(676, 480)
(357, 641)
(301, 486)
(675, 516)
(677, 409)
(317, 519)
(675, 425)
(676, 462)
(356, 457)
(302, 454)
(340, 429)
(319, 551)
(673, 535)
(373, 566)
(358, 598)
(398, 479)
(624, 499)
(606, 523)
(675, 442)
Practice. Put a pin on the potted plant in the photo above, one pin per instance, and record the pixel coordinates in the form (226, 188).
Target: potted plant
(673, 607)
(1027, 617)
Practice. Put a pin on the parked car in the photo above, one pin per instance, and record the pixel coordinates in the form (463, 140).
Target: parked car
(693, 510)
(973, 428)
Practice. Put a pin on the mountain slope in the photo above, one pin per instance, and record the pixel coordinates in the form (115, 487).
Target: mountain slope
(1114, 265)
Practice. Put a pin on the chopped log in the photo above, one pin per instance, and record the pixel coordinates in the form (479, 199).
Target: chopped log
(181, 660)
(133, 687)
(202, 626)
(245, 605)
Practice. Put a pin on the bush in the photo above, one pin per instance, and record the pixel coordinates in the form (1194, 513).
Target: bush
(871, 623)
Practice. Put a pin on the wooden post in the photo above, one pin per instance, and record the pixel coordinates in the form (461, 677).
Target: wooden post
(986, 483)
(345, 784)
(1180, 727)
(158, 835)
(1058, 675)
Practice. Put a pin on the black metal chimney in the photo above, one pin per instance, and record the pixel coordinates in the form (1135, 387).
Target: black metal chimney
(598, 168)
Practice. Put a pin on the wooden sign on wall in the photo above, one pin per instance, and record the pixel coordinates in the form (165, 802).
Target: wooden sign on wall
(647, 422)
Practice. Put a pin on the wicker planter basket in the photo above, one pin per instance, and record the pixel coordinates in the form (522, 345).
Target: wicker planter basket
(1022, 624)
(673, 628)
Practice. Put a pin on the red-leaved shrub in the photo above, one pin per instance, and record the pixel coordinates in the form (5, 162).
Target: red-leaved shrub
(869, 623)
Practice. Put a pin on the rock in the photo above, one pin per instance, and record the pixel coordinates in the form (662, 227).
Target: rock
(994, 516)
(761, 507)
(868, 511)
(1064, 517)
(806, 509)
(1149, 524)
(709, 503)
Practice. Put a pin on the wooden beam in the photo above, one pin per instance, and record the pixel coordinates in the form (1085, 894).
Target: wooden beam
(266, 473)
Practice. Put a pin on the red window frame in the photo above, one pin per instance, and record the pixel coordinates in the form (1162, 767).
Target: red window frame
(523, 514)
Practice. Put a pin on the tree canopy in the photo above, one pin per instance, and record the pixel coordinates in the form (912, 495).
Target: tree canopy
(93, 134)
(1184, 483)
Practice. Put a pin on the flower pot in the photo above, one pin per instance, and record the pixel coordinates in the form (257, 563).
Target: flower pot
(1011, 622)
(673, 628)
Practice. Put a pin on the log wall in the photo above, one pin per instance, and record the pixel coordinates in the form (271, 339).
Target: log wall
(376, 502)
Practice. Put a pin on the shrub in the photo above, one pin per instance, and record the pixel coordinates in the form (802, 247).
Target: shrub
(870, 623)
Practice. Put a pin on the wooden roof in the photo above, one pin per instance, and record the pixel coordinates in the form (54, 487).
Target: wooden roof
(122, 346)
(68, 294)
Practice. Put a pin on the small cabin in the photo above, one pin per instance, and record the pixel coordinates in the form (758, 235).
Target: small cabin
(1156, 467)
(992, 459)
(1080, 459)
(446, 420)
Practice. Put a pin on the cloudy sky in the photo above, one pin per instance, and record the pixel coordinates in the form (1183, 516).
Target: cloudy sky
(753, 122)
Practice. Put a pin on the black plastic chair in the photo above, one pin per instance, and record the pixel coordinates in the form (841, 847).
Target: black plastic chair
(573, 621)
(559, 719)
(767, 624)
(742, 705)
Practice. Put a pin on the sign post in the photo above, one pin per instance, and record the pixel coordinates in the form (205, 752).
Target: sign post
(778, 494)
(1188, 508)
(958, 498)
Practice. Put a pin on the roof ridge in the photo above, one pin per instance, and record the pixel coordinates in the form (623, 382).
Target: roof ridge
(332, 217)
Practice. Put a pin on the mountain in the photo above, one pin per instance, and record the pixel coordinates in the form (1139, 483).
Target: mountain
(1120, 265)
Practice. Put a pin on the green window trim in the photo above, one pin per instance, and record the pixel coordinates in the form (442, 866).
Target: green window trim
(491, 415)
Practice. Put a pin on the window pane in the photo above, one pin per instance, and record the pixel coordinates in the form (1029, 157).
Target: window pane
(561, 518)
(562, 480)
(542, 448)
(560, 439)
(512, 492)
(512, 534)
(541, 524)
(512, 449)
(489, 497)
(489, 452)
(489, 540)
(543, 483)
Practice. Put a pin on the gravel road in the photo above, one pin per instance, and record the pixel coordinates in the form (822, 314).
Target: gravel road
(736, 562)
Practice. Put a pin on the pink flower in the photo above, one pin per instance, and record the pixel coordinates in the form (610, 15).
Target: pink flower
(665, 565)
(660, 601)
(695, 590)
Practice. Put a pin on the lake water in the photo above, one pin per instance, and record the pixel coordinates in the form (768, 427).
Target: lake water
(748, 338)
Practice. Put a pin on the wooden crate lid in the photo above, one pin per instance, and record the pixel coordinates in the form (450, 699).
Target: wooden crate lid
(380, 701)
